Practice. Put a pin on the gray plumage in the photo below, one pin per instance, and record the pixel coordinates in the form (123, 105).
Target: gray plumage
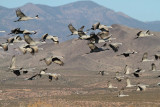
(23, 17)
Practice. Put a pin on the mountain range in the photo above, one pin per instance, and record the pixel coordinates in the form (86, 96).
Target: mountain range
(54, 20)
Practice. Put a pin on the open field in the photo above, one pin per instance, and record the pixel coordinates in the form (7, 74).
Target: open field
(76, 89)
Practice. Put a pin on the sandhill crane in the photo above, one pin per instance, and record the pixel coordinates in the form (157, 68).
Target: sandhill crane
(14, 39)
(105, 36)
(43, 73)
(141, 34)
(118, 77)
(23, 17)
(138, 72)
(94, 26)
(18, 31)
(153, 67)
(157, 56)
(32, 49)
(17, 70)
(54, 59)
(127, 53)
(141, 87)
(126, 70)
(53, 38)
(82, 34)
(2, 31)
(72, 29)
(29, 40)
(100, 27)
(101, 73)
(4, 46)
(104, 28)
(99, 38)
(145, 58)
(110, 85)
(129, 83)
(94, 48)
(120, 94)
(22, 70)
(24, 48)
(115, 46)
(158, 84)
(29, 32)
(13, 63)
(94, 38)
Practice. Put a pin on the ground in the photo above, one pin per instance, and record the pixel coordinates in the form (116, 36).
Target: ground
(75, 89)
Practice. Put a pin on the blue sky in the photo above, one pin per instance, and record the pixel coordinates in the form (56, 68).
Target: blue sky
(143, 10)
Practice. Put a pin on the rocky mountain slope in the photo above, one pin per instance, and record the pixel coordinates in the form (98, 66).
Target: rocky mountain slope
(54, 20)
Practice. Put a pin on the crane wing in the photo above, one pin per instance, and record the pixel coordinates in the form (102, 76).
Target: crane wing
(57, 61)
(19, 13)
(13, 62)
(71, 28)
(29, 40)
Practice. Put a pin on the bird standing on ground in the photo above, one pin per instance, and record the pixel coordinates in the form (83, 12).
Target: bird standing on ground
(145, 58)
(129, 83)
(120, 94)
(119, 77)
(110, 85)
(101, 73)
(126, 70)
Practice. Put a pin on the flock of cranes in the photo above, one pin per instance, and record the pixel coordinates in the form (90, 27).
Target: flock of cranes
(31, 46)
(104, 36)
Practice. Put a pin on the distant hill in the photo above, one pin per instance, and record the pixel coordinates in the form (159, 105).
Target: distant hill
(75, 58)
(54, 20)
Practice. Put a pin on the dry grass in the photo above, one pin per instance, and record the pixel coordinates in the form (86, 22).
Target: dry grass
(39, 104)
(68, 103)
